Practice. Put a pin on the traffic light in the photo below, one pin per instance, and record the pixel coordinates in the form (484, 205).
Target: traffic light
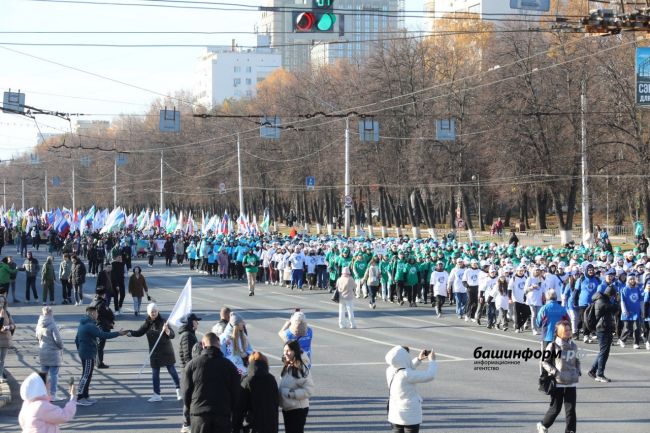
(320, 18)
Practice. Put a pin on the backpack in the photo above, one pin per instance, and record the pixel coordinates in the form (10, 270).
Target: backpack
(591, 321)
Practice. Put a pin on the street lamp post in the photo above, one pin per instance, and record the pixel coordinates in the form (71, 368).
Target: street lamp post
(477, 178)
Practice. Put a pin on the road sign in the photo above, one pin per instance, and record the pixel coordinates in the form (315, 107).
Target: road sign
(121, 159)
(369, 130)
(310, 182)
(222, 188)
(270, 127)
(85, 161)
(460, 223)
(531, 5)
(348, 201)
(13, 102)
(170, 120)
(445, 129)
(56, 181)
(33, 159)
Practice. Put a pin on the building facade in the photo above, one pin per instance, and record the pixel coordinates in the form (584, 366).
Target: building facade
(226, 72)
(498, 11)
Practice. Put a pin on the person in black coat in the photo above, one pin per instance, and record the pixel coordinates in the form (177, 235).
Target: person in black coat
(259, 400)
(211, 389)
(187, 351)
(117, 279)
(163, 353)
(168, 251)
(605, 309)
(105, 321)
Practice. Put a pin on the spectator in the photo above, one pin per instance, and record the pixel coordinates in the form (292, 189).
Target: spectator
(224, 318)
(50, 346)
(138, 289)
(295, 388)
(31, 270)
(105, 321)
(296, 329)
(78, 278)
(65, 272)
(186, 353)
(259, 399)
(605, 310)
(346, 286)
(37, 413)
(47, 280)
(7, 328)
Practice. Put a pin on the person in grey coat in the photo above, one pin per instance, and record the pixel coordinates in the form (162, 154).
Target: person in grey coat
(50, 346)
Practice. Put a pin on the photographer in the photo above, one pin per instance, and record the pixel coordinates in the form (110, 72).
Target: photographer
(404, 402)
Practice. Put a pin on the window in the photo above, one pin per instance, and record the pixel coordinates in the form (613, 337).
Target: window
(237, 69)
(249, 69)
(236, 82)
(249, 93)
(248, 81)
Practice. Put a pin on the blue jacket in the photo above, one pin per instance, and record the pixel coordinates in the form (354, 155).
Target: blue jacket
(240, 252)
(87, 334)
(569, 294)
(646, 306)
(631, 299)
(548, 316)
(588, 288)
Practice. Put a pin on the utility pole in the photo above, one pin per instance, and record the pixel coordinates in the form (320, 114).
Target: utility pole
(46, 207)
(586, 229)
(74, 204)
(162, 198)
(347, 176)
(115, 183)
(241, 191)
(4, 194)
(23, 194)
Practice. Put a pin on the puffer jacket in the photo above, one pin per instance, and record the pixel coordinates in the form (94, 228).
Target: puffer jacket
(5, 336)
(605, 311)
(164, 353)
(78, 276)
(405, 403)
(295, 391)
(566, 367)
(37, 414)
(49, 341)
(188, 340)
(65, 270)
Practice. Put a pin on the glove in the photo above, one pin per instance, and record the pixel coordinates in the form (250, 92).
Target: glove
(148, 298)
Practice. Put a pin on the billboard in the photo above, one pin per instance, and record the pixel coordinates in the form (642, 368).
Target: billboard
(531, 5)
(642, 74)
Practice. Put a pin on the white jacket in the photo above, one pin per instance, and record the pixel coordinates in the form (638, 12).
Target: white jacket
(405, 406)
(295, 391)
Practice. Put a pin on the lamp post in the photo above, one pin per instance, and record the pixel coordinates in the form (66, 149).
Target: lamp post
(477, 178)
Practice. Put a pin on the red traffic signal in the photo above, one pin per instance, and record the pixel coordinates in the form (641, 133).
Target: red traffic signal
(305, 22)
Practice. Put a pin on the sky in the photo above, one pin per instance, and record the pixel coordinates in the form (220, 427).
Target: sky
(55, 87)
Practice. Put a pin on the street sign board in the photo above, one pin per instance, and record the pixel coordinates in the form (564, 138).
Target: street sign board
(121, 159)
(56, 181)
(369, 130)
(642, 76)
(85, 161)
(13, 102)
(348, 201)
(445, 129)
(270, 127)
(531, 5)
(222, 188)
(310, 182)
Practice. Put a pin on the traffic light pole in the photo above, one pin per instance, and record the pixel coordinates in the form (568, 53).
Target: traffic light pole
(586, 229)
(162, 197)
(347, 176)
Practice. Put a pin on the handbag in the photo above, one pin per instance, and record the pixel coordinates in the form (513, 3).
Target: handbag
(547, 383)
(336, 296)
(389, 385)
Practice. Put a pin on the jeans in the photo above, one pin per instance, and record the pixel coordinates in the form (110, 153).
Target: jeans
(568, 397)
(66, 288)
(296, 278)
(605, 342)
(491, 313)
(346, 306)
(373, 293)
(137, 302)
(294, 420)
(461, 302)
(534, 309)
(405, 428)
(78, 293)
(53, 373)
(321, 276)
(30, 283)
(3, 355)
(155, 376)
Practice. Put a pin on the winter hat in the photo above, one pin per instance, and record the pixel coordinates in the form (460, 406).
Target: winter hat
(152, 306)
(297, 317)
(235, 319)
(32, 387)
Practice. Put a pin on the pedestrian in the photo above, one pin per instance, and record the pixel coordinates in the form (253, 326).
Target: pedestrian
(646, 314)
(186, 353)
(296, 387)
(7, 329)
(191, 254)
(564, 366)
(438, 281)
(297, 264)
(570, 300)
(11, 272)
(631, 302)
(548, 316)
(86, 340)
(402, 376)
(65, 272)
(372, 280)
(259, 398)
(31, 268)
(535, 291)
(105, 321)
(501, 300)
(179, 249)
(296, 328)
(161, 355)
(117, 279)
(605, 311)
(211, 387)
(151, 251)
(346, 287)
(458, 288)
(37, 414)
(78, 278)
(235, 344)
(223, 262)
(168, 251)
(50, 346)
(47, 280)
(251, 264)
(588, 286)
(138, 289)
(516, 287)
(224, 318)
(471, 281)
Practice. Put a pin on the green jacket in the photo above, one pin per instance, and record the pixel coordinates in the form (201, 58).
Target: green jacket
(250, 263)
(6, 273)
(412, 277)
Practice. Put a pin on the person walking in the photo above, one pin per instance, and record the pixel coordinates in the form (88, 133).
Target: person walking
(631, 301)
(117, 279)
(438, 282)
(211, 387)
(78, 278)
(605, 311)
(65, 272)
(105, 321)
(10, 271)
(86, 340)
(565, 368)
(161, 355)
(37, 414)
(548, 316)
(402, 376)
(7, 329)
(346, 287)
(50, 345)
(251, 264)
(259, 398)
(372, 280)
(138, 289)
(47, 280)
(235, 344)
(296, 386)
(186, 351)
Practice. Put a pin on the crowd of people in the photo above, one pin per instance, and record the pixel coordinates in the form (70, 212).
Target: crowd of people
(501, 287)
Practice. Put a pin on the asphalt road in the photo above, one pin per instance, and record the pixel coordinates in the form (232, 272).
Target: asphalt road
(348, 369)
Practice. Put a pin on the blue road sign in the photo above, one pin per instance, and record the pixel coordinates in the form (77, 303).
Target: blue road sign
(13, 102)
(121, 159)
(531, 5)
(310, 182)
(369, 130)
(445, 129)
(56, 181)
(269, 127)
(170, 120)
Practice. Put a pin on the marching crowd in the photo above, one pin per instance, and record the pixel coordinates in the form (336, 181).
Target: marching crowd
(601, 294)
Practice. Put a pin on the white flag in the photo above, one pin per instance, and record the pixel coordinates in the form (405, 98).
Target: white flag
(183, 306)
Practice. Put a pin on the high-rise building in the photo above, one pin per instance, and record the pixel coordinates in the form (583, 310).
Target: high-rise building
(361, 24)
(498, 11)
(227, 71)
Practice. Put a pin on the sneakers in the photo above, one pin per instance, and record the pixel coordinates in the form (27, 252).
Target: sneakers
(478, 321)
(251, 293)
(541, 428)
(534, 332)
(585, 339)
(636, 346)
(117, 312)
(85, 402)
(517, 331)
(154, 398)
(603, 379)
(647, 345)
(621, 343)
(186, 429)
(466, 318)
(178, 394)
(57, 397)
(591, 374)
(102, 365)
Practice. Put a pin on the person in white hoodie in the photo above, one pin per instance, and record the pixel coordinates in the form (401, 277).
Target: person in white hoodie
(402, 376)
(50, 346)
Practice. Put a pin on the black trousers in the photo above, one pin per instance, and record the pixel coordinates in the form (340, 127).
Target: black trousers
(210, 424)
(632, 328)
(406, 428)
(87, 366)
(294, 420)
(30, 282)
(522, 313)
(472, 303)
(567, 396)
(120, 292)
(101, 343)
(66, 286)
(582, 324)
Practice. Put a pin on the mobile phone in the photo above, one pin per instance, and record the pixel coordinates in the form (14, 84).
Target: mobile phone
(426, 352)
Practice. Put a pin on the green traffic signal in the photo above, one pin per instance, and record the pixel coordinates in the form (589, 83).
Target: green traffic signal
(326, 22)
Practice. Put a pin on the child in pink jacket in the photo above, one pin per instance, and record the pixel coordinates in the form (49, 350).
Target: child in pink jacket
(38, 415)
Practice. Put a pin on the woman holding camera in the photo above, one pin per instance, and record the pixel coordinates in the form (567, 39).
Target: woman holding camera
(404, 402)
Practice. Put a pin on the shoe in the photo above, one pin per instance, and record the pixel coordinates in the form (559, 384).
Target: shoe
(353, 327)
(585, 339)
(621, 343)
(478, 322)
(154, 398)
(460, 317)
(517, 330)
(499, 326)
(401, 303)
(473, 320)
(16, 301)
(251, 294)
(603, 379)
(636, 346)
(466, 318)
(505, 329)
(647, 345)
(341, 326)
(591, 374)
(356, 296)
(178, 394)
(534, 332)
(57, 397)
(102, 365)
(86, 402)
(541, 428)
(365, 296)
(186, 429)
(117, 312)
(438, 315)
